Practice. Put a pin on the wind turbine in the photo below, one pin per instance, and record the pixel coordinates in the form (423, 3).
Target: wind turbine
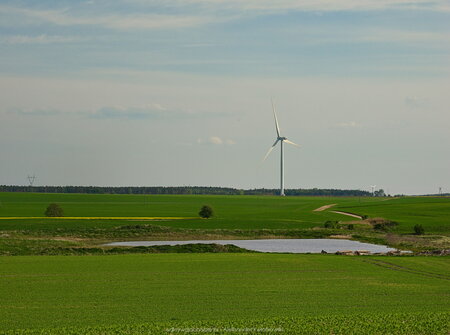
(373, 189)
(280, 139)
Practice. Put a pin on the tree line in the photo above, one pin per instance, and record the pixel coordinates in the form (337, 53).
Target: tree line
(179, 190)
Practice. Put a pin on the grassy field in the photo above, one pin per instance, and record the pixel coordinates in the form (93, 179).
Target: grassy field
(214, 287)
(433, 213)
(92, 220)
(373, 323)
(232, 212)
(409, 295)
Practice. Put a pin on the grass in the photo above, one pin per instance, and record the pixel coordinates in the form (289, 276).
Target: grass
(433, 213)
(131, 218)
(397, 323)
(64, 241)
(95, 219)
(232, 212)
(24, 247)
(164, 290)
(223, 289)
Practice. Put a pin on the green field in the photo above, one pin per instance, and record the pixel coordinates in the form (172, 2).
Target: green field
(232, 212)
(236, 217)
(295, 292)
(214, 287)
(431, 212)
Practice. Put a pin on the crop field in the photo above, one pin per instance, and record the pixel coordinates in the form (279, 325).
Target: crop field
(232, 212)
(431, 212)
(209, 288)
(134, 294)
(92, 220)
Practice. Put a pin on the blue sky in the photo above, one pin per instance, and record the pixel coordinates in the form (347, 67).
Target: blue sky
(255, 38)
(175, 92)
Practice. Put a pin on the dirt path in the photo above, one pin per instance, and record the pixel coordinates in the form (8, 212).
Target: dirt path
(320, 209)
(348, 214)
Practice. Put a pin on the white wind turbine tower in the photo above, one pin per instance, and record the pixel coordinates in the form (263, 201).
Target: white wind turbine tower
(280, 139)
(373, 189)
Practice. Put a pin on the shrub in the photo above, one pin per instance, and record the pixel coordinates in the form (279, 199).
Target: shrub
(351, 226)
(418, 229)
(206, 212)
(331, 224)
(380, 224)
(54, 210)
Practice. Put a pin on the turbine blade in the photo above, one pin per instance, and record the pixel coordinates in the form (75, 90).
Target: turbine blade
(290, 142)
(268, 153)
(277, 127)
(270, 150)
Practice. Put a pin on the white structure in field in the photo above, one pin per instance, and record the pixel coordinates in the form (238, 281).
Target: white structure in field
(373, 189)
(280, 139)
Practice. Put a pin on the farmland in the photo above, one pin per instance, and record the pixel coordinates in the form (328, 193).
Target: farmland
(431, 212)
(54, 288)
(232, 212)
(298, 293)
(91, 220)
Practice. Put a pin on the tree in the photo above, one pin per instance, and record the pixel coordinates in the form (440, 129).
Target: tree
(418, 229)
(379, 193)
(331, 224)
(206, 212)
(54, 210)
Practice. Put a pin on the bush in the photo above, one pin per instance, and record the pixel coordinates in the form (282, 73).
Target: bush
(351, 226)
(379, 226)
(54, 210)
(331, 224)
(384, 225)
(206, 212)
(418, 229)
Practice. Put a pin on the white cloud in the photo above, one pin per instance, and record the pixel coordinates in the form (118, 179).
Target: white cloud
(155, 112)
(192, 13)
(112, 21)
(381, 35)
(374, 36)
(230, 142)
(350, 124)
(416, 102)
(318, 5)
(34, 112)
(38, 39)
(216, 140)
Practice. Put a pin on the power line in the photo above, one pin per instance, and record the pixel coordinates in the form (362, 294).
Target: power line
(31, 179)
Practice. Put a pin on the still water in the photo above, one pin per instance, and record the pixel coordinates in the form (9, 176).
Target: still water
(276, 245)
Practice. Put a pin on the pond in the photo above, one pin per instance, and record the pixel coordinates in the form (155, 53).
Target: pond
(276, 245)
